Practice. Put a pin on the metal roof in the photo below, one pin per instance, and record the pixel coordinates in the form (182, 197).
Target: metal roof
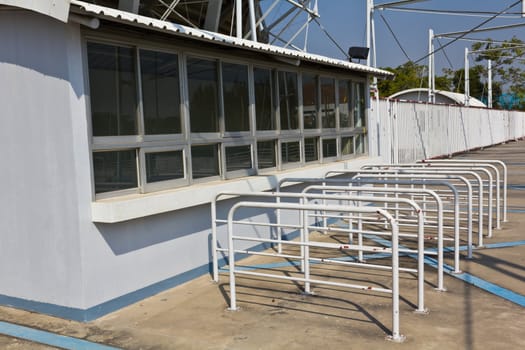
(82, 7)
(454, 97)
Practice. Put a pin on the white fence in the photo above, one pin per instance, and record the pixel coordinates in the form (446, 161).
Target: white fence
(411, 131)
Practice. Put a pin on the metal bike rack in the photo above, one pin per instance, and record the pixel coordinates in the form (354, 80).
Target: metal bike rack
(422, 168)
(418, 182)
(313, 196)
(307, 280)
(502, 182)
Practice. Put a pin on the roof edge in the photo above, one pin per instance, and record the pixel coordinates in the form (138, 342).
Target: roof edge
(217, 38)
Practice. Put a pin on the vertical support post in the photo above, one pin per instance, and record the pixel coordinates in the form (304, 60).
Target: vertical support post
(489, 83)
(430, 64)
(467, 79)
(238, 19)
(231, 263)
(215, 258)
(253, 27)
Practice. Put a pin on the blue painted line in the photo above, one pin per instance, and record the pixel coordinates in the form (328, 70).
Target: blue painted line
(515, 187)
(515, 210)
(48, 338)
(487, 286)
(490, 287)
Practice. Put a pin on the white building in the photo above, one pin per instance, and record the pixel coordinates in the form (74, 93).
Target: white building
(118, 130)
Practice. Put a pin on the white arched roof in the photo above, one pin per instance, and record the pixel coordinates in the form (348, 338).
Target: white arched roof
(421, 95)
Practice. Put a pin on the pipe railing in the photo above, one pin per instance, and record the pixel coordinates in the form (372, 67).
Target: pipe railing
(338, 197)
(304, 242)
(419, 182)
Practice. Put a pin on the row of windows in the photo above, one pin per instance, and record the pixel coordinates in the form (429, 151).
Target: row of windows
(166, 119)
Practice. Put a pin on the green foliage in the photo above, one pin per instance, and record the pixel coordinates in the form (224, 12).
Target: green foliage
(407, 76)
(508, 73)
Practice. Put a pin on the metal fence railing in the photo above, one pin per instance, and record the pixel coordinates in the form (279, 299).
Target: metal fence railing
(412, 131)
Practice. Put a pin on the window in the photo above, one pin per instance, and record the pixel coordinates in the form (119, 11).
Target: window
(288, 100)
(359, 143)
(290, 152)
(113, 90)
(266, 154)
(347, 145)
(359, 104)
(329, 148)
(235, 94)
(159, 73)
(328, 102)
(310, 104)
(165, 118)
(162, 166)
(205, 161)
(115, 170)
(238, 158)
(203, 95)
(264, 114)
(345, 120)
(311, 149)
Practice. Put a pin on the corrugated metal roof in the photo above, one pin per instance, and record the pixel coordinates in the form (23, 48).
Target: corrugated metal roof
(199, 34)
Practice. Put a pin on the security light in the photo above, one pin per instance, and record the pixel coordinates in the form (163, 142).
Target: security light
(361, 53)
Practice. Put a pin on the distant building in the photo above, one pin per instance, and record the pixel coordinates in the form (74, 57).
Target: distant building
(444, 97)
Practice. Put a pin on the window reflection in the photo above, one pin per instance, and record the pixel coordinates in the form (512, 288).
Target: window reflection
(203, 95)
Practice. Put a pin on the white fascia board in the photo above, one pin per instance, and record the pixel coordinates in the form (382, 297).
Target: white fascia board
(123, 208)
(58, 9)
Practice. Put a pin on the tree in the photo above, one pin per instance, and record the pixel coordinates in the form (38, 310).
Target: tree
(508, 66)
(407, 76)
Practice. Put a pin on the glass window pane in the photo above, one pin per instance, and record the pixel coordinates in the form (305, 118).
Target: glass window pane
(359, 143)
(113, 90)
(115, 170)
(347, 145)
(345, 121)
(310, 101)
(238, 158)
(161, 166)
(160, 92)
(328, 102)
(266, 154)
(262, 79)
(288, 100)
(329, 148)
(235, 92)
(311, 149)
(290, 152)
(203, 95)
(205, 161)
(359, 104)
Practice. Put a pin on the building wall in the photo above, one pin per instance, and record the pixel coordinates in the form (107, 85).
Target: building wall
(53, 257)
(39, 97)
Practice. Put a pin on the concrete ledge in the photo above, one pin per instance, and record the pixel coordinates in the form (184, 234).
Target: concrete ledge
(123, 208)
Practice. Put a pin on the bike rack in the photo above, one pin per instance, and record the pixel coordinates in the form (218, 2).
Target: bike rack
(418, 182)
(492, 163)
(378, 189)
(481, 170)
(463, 173)
(355, 198)
(304, 242)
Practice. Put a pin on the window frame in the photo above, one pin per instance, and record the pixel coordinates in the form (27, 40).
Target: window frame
(185, 140)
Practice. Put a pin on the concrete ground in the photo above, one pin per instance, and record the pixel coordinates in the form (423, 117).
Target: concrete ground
(275, 315)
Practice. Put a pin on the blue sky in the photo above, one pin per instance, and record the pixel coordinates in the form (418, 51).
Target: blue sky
(345, 21)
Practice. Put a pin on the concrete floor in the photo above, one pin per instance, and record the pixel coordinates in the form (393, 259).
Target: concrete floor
(275, 315)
